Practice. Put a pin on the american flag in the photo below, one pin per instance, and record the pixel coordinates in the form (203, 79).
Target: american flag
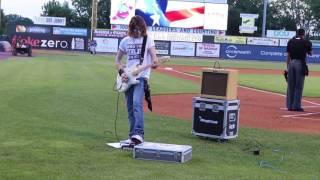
(172, 13)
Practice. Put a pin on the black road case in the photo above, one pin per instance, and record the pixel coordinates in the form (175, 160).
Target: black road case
(215, 118)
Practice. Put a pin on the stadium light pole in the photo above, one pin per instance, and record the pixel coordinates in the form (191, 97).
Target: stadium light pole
(264, 19)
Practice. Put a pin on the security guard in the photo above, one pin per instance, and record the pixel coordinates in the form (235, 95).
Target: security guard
(297, 49)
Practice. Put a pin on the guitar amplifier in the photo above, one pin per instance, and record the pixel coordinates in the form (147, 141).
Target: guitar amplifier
(219, 84)
(215, 118)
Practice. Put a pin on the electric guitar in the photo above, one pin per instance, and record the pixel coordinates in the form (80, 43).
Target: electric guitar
(133, 74)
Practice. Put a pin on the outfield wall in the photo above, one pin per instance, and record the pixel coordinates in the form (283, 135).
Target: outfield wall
(226, 47)
(174, 43)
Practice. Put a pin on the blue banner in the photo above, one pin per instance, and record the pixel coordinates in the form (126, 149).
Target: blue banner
(70, 31)
(264, 53)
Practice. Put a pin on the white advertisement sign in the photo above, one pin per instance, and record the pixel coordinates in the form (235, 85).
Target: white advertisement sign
(280, 34)
(217, 13)
(55, 21)
(262, 41)
(171, 36)
(106, 44)
(182, 48)
(208, 50)
(248, 23)
(283, 42)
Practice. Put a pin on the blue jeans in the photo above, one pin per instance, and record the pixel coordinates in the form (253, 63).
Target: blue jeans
(295, 84)
(134, 99)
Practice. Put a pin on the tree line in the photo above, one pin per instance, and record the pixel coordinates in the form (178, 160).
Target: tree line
(281, 14)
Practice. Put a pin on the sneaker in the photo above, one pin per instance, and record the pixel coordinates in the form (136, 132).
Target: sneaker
(137, 139)
(127, 141)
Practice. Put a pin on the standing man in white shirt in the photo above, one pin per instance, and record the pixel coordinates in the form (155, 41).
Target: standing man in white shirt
(132, 46)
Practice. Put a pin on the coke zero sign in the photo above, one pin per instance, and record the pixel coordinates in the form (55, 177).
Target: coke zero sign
(44, 42)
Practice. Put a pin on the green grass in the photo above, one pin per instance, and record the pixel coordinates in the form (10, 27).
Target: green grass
(277, 83)
(57, 112)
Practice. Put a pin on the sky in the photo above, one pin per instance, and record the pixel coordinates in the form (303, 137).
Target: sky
(25, 8)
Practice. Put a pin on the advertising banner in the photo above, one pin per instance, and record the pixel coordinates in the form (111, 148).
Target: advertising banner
(42, 41)
(281, 34)
(262, 41)
(119, 27)
(170, 36)
(54, 21)
(33, 29)
(315, 58)
(208, 50)
(182, 49)
(109, 33)
(78, 43)
(212, 32)
(248, 23)
(266, 53)
(106, 44)
(252, 52)
(283, 42)
(70, 31)
(187, 30)
(162, 47)
(315, 43)
(230, 39)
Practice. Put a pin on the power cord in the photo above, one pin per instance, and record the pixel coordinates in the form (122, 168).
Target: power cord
(116, 113)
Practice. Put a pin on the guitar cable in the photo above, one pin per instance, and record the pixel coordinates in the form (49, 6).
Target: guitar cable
(116, 113)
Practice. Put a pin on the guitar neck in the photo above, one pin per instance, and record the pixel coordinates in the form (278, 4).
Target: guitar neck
(142, 68)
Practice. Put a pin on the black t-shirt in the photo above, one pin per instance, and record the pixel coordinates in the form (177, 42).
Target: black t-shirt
(298, 48)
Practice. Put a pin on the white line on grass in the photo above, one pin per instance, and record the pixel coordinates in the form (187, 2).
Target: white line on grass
(179, 72)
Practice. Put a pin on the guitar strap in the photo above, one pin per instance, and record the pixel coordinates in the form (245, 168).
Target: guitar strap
(147, 91)
(143, 49)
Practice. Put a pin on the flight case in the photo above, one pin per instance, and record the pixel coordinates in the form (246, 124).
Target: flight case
(215, 118)
(163, 152)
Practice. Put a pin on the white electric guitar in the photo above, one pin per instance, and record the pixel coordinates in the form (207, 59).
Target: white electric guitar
(133, 74)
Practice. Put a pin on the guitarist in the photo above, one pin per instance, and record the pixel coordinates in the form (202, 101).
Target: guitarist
(132, 45)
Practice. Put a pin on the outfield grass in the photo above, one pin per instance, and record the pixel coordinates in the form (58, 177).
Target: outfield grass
(57, 113)
(268, 82)
(277, 83)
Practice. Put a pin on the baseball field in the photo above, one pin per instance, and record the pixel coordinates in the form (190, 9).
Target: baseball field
(58, 112)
